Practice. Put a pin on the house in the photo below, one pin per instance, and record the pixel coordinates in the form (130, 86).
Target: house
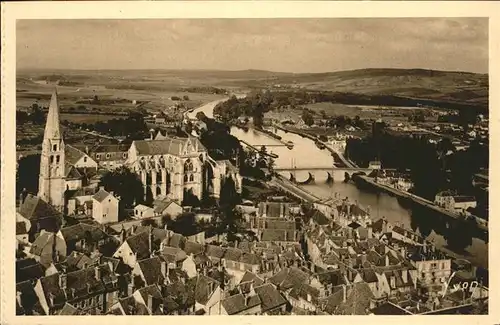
(48, 247)
(136, 247)
(375, 164)
(433, 268)
(241, 304)
(165, 206)
(78, 159)
(353, 299)
(457, 203)
(111, 156)
(149, 271)
(208, 295)
(83, 237)
(40, 214)
(104, 207)
(143, 212)
(271, 299)
(93, 290)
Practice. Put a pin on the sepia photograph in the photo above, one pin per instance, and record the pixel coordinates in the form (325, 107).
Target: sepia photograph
(251, 166)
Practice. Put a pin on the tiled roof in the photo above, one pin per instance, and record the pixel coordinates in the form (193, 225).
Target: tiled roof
(68, 310)
(204, 289)
(270, 297)
(151, 270)
(173, 146)
(160, 205)
(252, 259)
(21, 228)
(214, 251)
(139, 244)
(233, 254)
(71, 172)
(72, 155)
(41, 242)
(34, 207)
(249, 277)
(389, 308)
(237, 303)
(81, 231)
(101, 195)
(278, 235)
(288, 278)
(193, 248)
(333, 277)
(177, 240)
(32, 271)
(173, 254)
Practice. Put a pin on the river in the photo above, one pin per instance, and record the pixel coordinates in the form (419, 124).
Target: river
(306, 154)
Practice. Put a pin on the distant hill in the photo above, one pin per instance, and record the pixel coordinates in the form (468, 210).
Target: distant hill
(448, 86)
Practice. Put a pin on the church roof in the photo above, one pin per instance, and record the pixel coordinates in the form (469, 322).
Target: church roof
(52, 127)
(72, 154)
(173, 146)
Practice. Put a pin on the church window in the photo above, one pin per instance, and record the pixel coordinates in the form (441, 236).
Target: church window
(54, 147)
(191, 178)
(57, 159)
(188, 166)
(185, 178)
(98, 156)
(51, 159)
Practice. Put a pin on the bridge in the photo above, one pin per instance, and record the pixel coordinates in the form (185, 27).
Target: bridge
(309, 175)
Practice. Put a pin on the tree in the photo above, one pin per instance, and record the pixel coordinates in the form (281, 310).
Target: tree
(148, 222)
(229, 198)
(185, 97)
(28, 172)
(124, 184)
(307, 118)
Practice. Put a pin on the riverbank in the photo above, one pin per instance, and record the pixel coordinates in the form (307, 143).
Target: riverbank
(481, 224)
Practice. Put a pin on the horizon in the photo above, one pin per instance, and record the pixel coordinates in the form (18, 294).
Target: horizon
(246, 70)
(281, 45)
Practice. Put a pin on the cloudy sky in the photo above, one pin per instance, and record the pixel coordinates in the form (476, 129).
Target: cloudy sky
(288, 45)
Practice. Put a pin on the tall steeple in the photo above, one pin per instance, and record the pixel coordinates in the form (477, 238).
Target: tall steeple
(52, 183)
(52, 127)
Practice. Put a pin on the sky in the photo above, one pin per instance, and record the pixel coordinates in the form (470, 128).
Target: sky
(284, 45)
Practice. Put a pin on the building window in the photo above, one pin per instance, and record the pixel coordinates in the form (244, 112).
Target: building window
(84, 159)
(54, 147)
(185, 178)
(51, 159)
(108, 155)
(98, 156)
(124, 155)
(191, 178)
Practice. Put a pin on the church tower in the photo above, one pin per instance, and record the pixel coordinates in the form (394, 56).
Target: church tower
(51, 186)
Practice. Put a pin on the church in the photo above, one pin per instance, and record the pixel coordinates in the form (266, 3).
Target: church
(176, 167)
(168, 167)
(63, 168)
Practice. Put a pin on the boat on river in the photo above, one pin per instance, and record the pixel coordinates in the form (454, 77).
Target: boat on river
(289, 145)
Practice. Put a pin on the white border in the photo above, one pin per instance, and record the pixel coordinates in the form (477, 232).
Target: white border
(227, 9)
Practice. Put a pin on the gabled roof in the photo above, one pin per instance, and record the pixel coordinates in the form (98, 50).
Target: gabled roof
(45, 239)
(173, 146)
(69, 310)
(237, 303)
(151, 270)
(71, 172)
(251, 277)
(101, 195)
(270, 297)
(81, 231)
(204, 289)
(34, 207)
(72, 155)
(193, 248)
(139, 244)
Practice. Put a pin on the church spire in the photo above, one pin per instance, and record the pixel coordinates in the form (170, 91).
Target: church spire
(52, 128)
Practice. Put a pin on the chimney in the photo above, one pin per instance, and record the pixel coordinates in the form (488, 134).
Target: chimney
(87, 150)
(344, 293)
(122, 235)
(387, 260)
(164, 268)
(150, 303)
(112, 193)
(404, 275)
(62, 281)
(150, 241)
(370, 231)
(393, 281)
(130, 289)
(247, 300)
(97, 272)
(425, 247)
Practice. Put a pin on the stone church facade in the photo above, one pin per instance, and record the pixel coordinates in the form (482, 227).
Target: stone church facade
(172, 167)
(61, 165)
